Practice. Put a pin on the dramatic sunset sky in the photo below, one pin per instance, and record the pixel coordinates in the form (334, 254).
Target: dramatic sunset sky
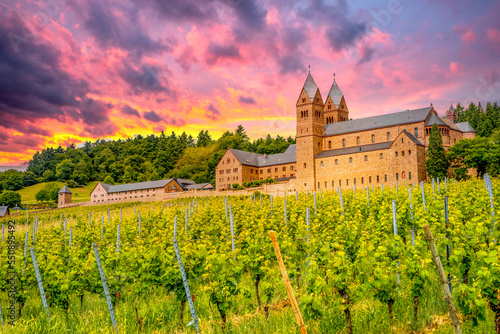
(76, 70)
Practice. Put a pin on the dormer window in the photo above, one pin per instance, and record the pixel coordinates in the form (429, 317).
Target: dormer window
(304, 100)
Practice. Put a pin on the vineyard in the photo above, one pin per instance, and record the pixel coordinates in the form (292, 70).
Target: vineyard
(358, 262)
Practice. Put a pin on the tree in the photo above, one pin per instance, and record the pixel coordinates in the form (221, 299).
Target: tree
(50, 192)
(204, 139)
(29, 179)
(240, 131)
(10, 198)
(49, 176)
(64, 170)
(109, 180)
(437, 163)
(13, 182)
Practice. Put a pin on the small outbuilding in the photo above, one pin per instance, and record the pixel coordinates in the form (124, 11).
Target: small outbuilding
(4, 211)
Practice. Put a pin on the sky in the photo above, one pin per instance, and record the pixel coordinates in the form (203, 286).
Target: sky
(75, 70)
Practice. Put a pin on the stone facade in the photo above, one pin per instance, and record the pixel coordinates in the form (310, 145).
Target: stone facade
(377, 150)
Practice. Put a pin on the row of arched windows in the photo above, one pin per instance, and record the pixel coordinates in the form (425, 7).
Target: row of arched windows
(358, 139)
(444, 131)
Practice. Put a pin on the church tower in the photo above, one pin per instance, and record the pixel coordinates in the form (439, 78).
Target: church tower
(451, 114)
(335, 106)
(310, 129)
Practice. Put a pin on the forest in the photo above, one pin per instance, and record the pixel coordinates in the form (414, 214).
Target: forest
(138, 159)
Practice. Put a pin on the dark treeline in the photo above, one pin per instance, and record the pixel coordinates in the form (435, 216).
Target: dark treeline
(484, 121)
(483, 152)
(138, 159)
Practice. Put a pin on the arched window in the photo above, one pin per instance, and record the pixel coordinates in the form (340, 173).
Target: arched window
(388, 136)
(336, 162)
(358, 140)
(397, 154)
(362, 180)
(381, 156)
(329, 144)
(454, 141)
(366, 158)
(403, 175)
(373, 138)
(416, 132)
(397, 176)
(402, 140)
(322, 164)
(409, 153)
(403, 153)
(333, 184)
(350, 160)
(325, 184)
(343, 142)
(305, 165)
(228, 160)
(409, 175)
(329, 106)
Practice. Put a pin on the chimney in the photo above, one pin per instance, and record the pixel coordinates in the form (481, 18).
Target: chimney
(265, 155)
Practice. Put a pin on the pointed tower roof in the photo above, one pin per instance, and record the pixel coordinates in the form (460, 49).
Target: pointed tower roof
(65, 190)
(451, 108)
(310, 86)
(335, 93)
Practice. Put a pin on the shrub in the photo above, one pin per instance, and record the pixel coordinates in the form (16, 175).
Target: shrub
(269, 180)
(10, 198)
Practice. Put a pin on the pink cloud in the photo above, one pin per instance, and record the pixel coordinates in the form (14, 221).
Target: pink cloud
(493, 35)
(455, 67)
(466, 34)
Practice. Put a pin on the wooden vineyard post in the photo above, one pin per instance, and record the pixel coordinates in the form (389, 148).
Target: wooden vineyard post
(40, 283)
(289, 290)
(444, 282)
(105, 287)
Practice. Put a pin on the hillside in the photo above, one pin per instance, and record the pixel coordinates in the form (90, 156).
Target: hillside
(80, 194)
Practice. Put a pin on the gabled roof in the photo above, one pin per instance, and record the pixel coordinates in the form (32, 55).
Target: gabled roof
(184, 182)
(355, 149)
(310, 86)
(135, 186)
(262, 160)
(435, 119)
(450, 124)
(465, 127)
(412, 138)
(65, 190)
(200, 186)
(4, 210)
(375, 122)
(335, 94)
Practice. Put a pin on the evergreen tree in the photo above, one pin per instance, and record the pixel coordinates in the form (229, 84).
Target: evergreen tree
(437, 163)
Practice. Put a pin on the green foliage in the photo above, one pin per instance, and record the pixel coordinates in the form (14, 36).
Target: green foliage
(109, 180)
(29, 179)
(437, 163)
(10, 198)
(480, 153)
(64, 170)
(485, 122)
(13, 182)
(269, 180)
(49, 193)
(49, 176)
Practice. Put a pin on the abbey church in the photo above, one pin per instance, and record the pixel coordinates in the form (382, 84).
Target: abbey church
(333, 151)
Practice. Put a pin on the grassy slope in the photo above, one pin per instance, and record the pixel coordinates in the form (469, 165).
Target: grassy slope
(79, 194)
